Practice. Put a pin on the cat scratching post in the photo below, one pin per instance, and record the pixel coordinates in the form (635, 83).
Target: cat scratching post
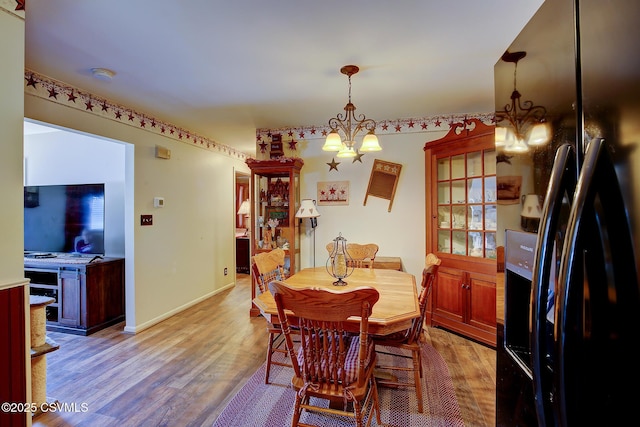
(40, 346)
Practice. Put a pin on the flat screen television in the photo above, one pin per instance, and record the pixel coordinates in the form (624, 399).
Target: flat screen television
(64, 219)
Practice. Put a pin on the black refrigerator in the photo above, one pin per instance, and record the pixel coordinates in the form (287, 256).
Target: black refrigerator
(572, 293)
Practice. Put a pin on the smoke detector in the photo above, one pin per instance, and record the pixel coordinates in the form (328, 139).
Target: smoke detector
(103, 73)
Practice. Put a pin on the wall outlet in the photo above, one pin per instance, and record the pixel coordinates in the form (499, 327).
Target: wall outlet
(226, 271)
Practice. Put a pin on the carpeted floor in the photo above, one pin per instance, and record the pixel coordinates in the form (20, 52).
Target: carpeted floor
(258, 404)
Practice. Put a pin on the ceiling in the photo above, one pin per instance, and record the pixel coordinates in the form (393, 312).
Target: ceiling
(223, 69)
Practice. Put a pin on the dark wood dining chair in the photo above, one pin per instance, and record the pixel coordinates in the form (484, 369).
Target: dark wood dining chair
(330, 363)
(266, 267)
(410, 339)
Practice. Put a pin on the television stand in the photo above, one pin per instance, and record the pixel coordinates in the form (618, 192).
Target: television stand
(88, 294)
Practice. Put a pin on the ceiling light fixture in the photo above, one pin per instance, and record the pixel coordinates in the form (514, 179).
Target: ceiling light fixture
(526, 122)
(346, 122)
(103, 73)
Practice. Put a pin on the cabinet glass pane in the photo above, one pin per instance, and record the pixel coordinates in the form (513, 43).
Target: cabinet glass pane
(490, 189)
(444, 217)
(474, 217)
(444, 241)
(490, 245)
(474, 187)
(490, 218)
(474, 164)
(475, 244)
(459, 217)
(457, 167)
(443, 169)
(490, 162)
(459, 242)
(458, 193)
(444, 192)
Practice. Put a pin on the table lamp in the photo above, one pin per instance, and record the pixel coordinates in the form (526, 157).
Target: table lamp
(531, 213)
(245, 209)
(308, 210)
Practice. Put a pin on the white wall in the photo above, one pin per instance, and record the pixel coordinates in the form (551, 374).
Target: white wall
(11, 111)
(180, 259)
(400, 232)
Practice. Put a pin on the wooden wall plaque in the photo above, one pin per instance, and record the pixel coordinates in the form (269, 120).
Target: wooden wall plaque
(383, 181)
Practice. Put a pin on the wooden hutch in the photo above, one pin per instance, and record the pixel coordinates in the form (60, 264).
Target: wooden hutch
(275, 186)
(461, 202)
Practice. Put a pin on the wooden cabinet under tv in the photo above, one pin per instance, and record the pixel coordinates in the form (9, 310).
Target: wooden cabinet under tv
(88, 296)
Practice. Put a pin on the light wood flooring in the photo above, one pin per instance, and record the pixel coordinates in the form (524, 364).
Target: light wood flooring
(182, 371)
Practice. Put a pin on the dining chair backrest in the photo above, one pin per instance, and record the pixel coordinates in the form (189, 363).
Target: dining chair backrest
(428, 276)
(362, 255)
(320, 314)
(268, 266)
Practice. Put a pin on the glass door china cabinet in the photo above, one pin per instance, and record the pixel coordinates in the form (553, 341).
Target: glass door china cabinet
(460, 173)
(275, 186)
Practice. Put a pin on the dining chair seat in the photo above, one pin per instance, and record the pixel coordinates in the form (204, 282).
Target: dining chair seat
(265, 268)
(408, 341)
(330, 363)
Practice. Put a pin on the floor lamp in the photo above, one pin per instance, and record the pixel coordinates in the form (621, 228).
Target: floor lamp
(308, 210)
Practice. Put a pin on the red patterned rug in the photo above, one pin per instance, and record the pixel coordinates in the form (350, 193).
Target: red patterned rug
(258, 404)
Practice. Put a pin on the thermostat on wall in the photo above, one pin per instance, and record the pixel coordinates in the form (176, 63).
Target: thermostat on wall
(158, 202)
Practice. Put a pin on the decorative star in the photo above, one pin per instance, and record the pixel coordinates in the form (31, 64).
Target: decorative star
(131, 116)
(290, 133)
(385, 126)
(301, 134)
(89, 105)
(411, 123)
(52, 93)
(333, 165)
(20, 5)
(263, 146)
(313, 131)
(292, 145)
(324, 132)
(31, 81)
(71, 97)
(398, 127)
(438, 123)
(171, 131)
(423, 125)
(163, 129)
(358, 157)
(105, 107)
(118, 115)
(153, 123)
(142, 123)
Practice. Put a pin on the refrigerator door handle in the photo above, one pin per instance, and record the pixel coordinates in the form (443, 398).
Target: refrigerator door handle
(598, 301)
(562, 184)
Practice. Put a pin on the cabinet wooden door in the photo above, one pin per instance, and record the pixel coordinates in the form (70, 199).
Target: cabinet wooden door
(69, 285)
(461, 210)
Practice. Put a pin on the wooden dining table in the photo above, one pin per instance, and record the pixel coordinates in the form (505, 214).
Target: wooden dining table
(397, 306)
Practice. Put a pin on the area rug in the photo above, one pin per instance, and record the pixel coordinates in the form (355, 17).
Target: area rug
(258, 404)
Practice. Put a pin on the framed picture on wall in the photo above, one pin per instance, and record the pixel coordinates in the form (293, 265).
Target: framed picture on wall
(509, 189)
(333, 193)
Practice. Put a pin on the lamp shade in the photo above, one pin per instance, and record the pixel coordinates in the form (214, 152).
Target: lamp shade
(370, 142)
(244, 208)
(307, 209)
(333, 142)
(346, 151)
(531, 206)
